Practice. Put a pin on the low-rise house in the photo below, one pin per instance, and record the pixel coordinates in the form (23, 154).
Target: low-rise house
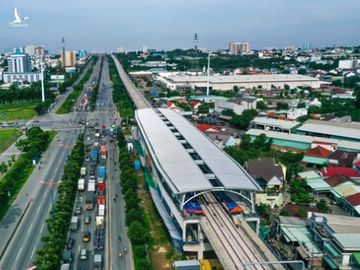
(221, 139)
(339, 239)
(318, 156)
(270, 177)
(343, 158)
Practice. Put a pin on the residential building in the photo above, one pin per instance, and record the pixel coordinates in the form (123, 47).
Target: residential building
(270, 178)
(279, 125)
(39, 51)
(68, 58)
(343, 158)
(339, 239)
(239, 47)
(317, 156)
(19, 63)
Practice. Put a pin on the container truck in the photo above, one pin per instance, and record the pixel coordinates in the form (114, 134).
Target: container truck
(101, 174)
(89, 200)
(83, 171)
(91, 185)
(81, 184)
(101, 210)
(94, 154)
(103, 152)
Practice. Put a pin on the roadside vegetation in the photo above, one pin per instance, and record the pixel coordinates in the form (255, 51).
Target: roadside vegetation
(68, 104)
(33, 146)
(7, 137)
(136, 220)
(95, 91)
(50, 254)
(121, 99)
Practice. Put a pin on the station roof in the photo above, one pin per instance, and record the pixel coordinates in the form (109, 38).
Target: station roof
(350, 130)
(283, 124)
(183, 173)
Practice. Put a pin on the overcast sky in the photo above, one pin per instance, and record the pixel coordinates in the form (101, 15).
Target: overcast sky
(104, 25)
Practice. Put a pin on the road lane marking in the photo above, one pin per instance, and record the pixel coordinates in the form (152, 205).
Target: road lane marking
(32, 253)
(42, 227)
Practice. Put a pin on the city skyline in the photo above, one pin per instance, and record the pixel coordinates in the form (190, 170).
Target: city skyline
(172, 24)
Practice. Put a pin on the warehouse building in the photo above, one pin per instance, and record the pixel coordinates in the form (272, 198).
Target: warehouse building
(227, 82)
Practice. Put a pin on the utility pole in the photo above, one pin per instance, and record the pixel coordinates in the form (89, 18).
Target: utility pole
(208, 76)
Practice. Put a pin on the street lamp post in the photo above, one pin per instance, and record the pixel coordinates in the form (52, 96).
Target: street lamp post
(42, 81)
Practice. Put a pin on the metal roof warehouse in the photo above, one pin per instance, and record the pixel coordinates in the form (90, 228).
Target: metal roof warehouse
(186, 158)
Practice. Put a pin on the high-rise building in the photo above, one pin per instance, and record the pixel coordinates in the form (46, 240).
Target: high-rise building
(82, 54)
(68, 58)
(239, 47)
(19, 63)
(30, 49)
(39, 51)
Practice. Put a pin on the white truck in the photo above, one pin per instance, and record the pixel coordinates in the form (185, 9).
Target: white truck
(83, 171)
(101, 210)
(81, 184)
(91, 185)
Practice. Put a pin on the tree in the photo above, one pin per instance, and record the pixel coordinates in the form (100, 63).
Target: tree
(260, 105)
(282, 106)
(301, 105)
(323, 206)
(242, 121)
(287, 87)
(302, 213)
(236, 89)
(137, 233)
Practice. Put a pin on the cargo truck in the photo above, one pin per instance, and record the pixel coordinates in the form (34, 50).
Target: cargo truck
(101, 174)
(91, 185)
(83, 171)
(103, 151)
(89, 200)
(81, 184)
(94, 154)
(98, 261)
(101, 210)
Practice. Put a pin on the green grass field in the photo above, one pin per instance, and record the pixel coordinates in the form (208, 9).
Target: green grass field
(7, 137)
(18, 111)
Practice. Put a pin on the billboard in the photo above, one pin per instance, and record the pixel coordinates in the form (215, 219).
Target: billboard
(70, 69)
(57, 78)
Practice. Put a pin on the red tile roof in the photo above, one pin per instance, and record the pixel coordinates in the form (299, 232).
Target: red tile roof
(205, 127)
(354, 199)
(194, 103)
(357, 164)
(319, 152)
(331, 171)
(337, 179)
(170, 104)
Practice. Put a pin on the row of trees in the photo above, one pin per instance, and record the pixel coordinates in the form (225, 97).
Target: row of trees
(68, 104)
(95, 91)
(121, 99)
(33, 146)
(50, 254)
(135, 217)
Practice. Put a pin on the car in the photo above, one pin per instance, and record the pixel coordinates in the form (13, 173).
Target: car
(78, 210)
(87, 220)
(86, 236)
(87, 159)
(67, 256)
(70, 243)
(83, 254)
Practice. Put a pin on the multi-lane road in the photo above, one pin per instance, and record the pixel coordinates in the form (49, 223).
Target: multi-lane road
(38, 194)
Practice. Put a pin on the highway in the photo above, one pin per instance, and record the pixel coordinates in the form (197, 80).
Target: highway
(115, 212)
(38, 194)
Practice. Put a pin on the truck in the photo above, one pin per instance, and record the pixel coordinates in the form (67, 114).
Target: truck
(101, 174)
(94, 154)
(101, 210)
(91, 185)
(75, 222)
(89, 200)
(98, 261)
(99, 238)
(97, 132)
(83, 171)
(103, 151)
(81, 184)
(101, 198)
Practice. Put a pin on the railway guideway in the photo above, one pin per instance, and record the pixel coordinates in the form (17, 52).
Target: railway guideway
(234, 246)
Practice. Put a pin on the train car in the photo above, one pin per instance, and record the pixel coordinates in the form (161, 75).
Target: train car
(193, 207)
(229, 204)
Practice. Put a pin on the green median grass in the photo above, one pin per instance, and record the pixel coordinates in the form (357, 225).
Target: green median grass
(7, 137)
(17, 111)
